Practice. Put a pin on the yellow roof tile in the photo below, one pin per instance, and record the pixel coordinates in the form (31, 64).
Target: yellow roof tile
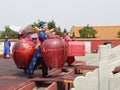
(106, 32)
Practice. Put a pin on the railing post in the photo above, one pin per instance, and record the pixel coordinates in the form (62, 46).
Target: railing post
(103, 73)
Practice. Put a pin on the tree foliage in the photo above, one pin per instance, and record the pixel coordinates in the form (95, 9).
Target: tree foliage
(9, 33)
(87, 32)
(59, 32)
(12, 35)
(35, 24)
(118, 34)
(52, 24)
(64, 31)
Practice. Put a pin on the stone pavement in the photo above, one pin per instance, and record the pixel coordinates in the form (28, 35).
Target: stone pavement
(10, 76)
(89, 58)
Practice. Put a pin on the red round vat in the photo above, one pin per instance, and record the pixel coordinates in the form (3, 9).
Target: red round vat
(23, 51)
(54, 51)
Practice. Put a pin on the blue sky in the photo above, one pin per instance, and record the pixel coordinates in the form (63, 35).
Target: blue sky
(65, 13)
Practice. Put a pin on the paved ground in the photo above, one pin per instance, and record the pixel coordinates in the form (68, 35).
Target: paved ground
(89, 58)
(10, 76)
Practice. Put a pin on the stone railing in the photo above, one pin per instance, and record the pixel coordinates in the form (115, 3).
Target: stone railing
(102, 78)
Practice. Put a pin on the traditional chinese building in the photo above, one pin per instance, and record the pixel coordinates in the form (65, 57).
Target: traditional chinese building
(104, 33)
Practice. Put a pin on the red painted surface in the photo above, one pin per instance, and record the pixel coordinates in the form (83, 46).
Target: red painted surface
(96, 43)
(28, 86)
(54, 51)
(23, 51)
(53, 86)
(11, 78)
(76, 48)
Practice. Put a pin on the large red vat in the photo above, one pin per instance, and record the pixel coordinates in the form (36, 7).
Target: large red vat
(23, 51)
(54, 51)
(76, 48)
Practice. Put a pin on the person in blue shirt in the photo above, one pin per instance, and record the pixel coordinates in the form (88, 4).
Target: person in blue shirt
(37, 58)
(7, 45)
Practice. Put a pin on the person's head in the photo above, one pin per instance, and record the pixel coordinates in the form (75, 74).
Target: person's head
(34, 40)
(6, 37)
(43, 25)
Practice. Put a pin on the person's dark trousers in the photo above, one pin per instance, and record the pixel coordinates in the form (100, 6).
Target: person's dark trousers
(30, 69)
(34, 62)
(44, 67)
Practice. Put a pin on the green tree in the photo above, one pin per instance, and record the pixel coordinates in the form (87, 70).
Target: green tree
(87, 32)
(118, 34)
(9, 33)
(59, 32)
(51, 24)
(35, 24)
(64, 31)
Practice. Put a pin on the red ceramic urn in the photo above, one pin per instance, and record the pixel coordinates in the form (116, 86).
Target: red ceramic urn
(23, 51)
(54, 51)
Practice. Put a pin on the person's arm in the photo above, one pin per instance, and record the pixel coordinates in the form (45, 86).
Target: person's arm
(49, 31)
(9, 43)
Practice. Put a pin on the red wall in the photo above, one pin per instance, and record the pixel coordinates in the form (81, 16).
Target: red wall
(96, 43)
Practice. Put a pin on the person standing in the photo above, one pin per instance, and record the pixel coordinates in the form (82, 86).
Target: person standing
(7, 45)
(38, 55)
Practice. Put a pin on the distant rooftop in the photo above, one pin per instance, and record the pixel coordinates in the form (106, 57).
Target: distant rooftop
(103, 32)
